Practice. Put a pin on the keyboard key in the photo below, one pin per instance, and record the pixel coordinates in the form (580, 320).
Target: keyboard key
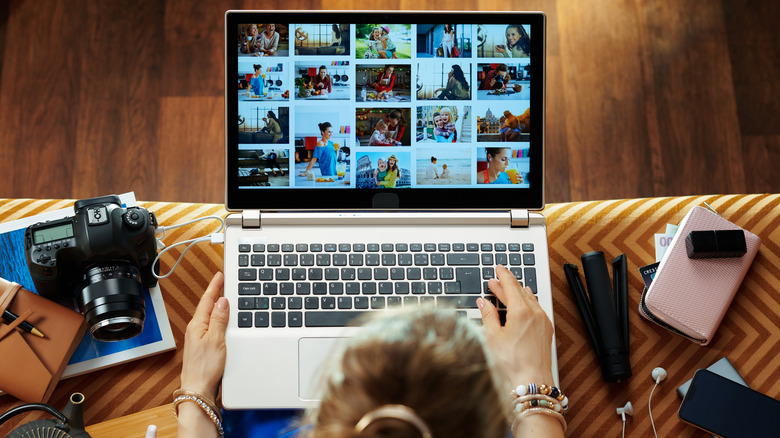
(273, 247)
(385, 288)
(372, 259)
(299, 274)
(278, 303)
(486, 247)
(269, 289)
(258, 247)
(247, 274)
(274, 260)
(427, 299)
(345, 247)
(381, 274)
(397, 273)
(315, 247)
(335, 288)
(388, 259)
(459, 302)
(265, 274)
(401, 247)
(261, 303)
(311, 303)
(361, 302)
(323, 259)
(488, 273)
(415, 247)
(372, 247)
(307, 259)
(278, 319)
(345, 303)
(302, 247)
(469, 280)
(421, 259)
(331, 274)
(413, 273)
(437, 259)
(487, 259)
(330, 247)
(328, 303)
(465, 259)
(246, 303)
(319, 288)
(528, 247)
(243, 260)
(353, 288)
(514, 247)
(451, 287)
(418, 287)
(288, 247)
(472, 247)
(347, 274)
(430, 273)
(387, 247)
(295, 319)
(529, 260)
(286, 288)
(244, 247)
(517, 272)
(458, 247)
(444, 247)
(358, 247)
(447, 273)
(291, 260)
(356, 260)
(401, 288)
(515, 259)
(501, 259)
(339, 260)
(500, 247)
(249, 288)
(364, 274)
(258, 259)
(377, 302)
(282, 274)
(405, 259)
(411, 301)
(302, 288)
(335, 318)
(261, 319)
(393, 301)
(530, 278)
(315, 274)
(295, 303)
(368, 288)
(429, 247)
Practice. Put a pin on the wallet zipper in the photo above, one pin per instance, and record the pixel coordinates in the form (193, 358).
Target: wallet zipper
(658, 321)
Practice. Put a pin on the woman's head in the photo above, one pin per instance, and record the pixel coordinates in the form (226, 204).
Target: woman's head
(270, 28)
(272, 115)
(431, 361)
(498, 158)
(257, 67)
(325, 129)
(376, 33)
(395, 117)
(323, 71)
(457, 73)
(433, 159)
(389, 69)
(437, 120)
(516, 35)
(392, 163)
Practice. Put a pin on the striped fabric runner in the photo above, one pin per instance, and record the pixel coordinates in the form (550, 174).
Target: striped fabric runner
(749, 335)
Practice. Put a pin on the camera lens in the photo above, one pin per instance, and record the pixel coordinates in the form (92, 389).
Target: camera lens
(112, 301)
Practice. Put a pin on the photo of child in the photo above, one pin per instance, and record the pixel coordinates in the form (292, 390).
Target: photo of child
(263, 40)
(444, 124)
(383, 83)
(263, 124)
(504, 126)
(367, 119)
(261, 80)
(321, 39)
(499, 41)
(451, 166)
(383, 170)
(503, 166)
(444, 40)
(316, 81)
(263, 167)
(505, 81)
(443, 80)
(383, 41)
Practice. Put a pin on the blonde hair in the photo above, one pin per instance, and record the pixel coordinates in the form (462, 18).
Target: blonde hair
(433, 362)
(381, 125)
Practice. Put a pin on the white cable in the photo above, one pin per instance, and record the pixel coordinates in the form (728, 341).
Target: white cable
(624, 427)
(213, 238)
(650, 409)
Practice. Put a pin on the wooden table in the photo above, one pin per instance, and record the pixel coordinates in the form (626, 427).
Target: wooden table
(749, 335)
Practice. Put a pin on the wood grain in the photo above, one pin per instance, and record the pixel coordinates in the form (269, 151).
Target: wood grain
(644, 97)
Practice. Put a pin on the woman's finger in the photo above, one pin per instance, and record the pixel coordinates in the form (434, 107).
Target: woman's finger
(206, 304)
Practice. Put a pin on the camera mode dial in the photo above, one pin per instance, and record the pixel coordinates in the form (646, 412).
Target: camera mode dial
(134, 220)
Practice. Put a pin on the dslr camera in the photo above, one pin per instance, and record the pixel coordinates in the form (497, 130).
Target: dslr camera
(103, 256)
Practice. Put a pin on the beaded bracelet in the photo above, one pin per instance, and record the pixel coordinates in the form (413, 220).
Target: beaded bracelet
(208, 406)
(536, 401)
(551, 391)
(542, 411)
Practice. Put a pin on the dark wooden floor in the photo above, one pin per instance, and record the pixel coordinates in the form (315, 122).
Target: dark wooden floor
(645, 97)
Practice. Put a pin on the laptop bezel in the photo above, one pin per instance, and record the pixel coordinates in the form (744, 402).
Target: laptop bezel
(416, 198)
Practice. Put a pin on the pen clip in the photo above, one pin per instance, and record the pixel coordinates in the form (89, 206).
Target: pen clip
(583, 305)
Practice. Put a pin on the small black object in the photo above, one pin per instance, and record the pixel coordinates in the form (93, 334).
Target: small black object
(715, 244)
(604, 314)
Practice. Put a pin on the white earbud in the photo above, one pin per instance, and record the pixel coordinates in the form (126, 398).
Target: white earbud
(658, 374)
(627, 409)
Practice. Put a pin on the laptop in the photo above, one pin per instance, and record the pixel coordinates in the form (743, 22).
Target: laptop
(373, 160)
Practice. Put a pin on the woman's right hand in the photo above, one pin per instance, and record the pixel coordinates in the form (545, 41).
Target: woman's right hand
(499, 49)
(523, 346)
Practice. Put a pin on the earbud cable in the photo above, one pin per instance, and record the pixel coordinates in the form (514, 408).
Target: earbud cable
(189, 242)
(650, 409)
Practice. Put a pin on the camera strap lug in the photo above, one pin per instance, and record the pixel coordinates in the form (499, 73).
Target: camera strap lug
(250, 219)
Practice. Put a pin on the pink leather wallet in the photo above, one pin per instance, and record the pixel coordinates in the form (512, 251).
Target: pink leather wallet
(690, 296)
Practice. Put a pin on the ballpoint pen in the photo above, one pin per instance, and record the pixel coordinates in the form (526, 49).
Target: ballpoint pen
(26, 326)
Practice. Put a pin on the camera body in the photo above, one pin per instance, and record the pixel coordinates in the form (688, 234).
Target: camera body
(499, 84)
(103, 256)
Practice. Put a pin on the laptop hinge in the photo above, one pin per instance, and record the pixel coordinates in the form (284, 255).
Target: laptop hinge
(519, 218)
(250, 219)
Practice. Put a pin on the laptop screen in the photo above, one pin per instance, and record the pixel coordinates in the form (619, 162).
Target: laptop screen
(412, 110)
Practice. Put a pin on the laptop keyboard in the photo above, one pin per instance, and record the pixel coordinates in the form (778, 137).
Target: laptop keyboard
(330, 284)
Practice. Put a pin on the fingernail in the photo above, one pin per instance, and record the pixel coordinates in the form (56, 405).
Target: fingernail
(222, 303)
(480, 304)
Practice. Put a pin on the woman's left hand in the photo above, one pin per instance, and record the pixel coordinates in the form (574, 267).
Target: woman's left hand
(204, 342)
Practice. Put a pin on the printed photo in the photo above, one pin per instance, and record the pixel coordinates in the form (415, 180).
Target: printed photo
(505, 81)
(261, 123)
(322, 152)
(263, 40)
(503, 165)
(444, 124)
(382, 126)
(504, 125)
(384, 83)
(448, 80)
(451, 166)
(383, 41)
(259, 80)
(263, 167)
(444, 40)
(499, 41)
(389, 170)
(318, 81)
(321, 39)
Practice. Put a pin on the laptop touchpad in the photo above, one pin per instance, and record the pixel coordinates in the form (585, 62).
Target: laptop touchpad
(312, 353)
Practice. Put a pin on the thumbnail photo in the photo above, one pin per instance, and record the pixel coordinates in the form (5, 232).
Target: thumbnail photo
(443, 80)
(318, 81)
(258, 80)
(382, 126)
(444, 124)
(321, 39)
(451, 166)
(508, 81)
(389, 170)
(384, 83)
(263, 123)
(504, 125)
(499, 41)
(263, 167)
(383, 41)
(263, 40)
(322, 153)
(444, 40)
(503, 166)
